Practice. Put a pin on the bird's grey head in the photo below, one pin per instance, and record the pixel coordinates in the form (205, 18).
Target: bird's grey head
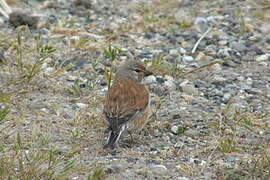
(134, 70)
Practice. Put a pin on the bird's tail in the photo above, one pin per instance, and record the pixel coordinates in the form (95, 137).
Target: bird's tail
(113, 138)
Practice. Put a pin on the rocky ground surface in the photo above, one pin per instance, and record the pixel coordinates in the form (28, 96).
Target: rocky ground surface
(210, 101)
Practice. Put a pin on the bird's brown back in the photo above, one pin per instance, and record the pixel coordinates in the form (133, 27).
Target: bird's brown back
(123, 97)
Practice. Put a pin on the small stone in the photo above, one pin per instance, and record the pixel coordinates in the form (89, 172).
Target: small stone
(189, 89)
(166, 138)
(230, 159)
(218, 79)
(84, 3)
(224, 53)
(173, 52)
(265, 27)
(160, 170)
(48, 70)
(211, 49)
(183, 51)
(183, 15)
(238, 46)
(216, 68)
(170, 85)
(201, 24)
(263, 64)
(191, 133)
(160, 80)
(81, 105)
(222, 42)
(1, 56)
(263, 57)
(236, 107)
(249, 81)
(255, 38)
(45, 110)
(150, 80)
(227, 96)
(72, 78)
(188, 97)
(178, 144)
(187, 58)
(112, 168)
(157, 133)
(183, 178)
(174, 129)
(244, 86)
(148, 35)
(197, 161)
(170, 78)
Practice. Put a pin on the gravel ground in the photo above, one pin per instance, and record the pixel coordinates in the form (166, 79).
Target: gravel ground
(210, 92)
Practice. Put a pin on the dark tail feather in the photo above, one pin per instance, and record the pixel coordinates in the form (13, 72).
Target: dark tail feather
(113, 138)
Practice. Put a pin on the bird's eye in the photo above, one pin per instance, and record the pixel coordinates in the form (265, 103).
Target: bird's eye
(137, 70)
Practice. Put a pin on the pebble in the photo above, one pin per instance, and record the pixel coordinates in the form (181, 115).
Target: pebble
(224, 52)
(173, 52)
(179, 144)
(1, 56)
(236, 107)
(157, 133)
(218, 79)
(255, 38)
(265, 27)
(170, 85)
(240, 78)
(150, 80)
(249, 81)
(238, 46)
(159, 169)
(263, 64)
(222, 42)
(187, 58)
(216, 68)
(174, 129)
(189, 89)
(263, 57)
(244, 86)
(81, 105)
(48, 70)
(170, 78)
(183, 51)
(45, 110)
(183, 178)
(191, 133)
(230, 159)
(201, 24)
(227, 96)
(211, 49)
(166, 139)
(183, 15)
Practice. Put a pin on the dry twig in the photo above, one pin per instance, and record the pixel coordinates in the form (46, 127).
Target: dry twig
(5, 10)
(201, 38)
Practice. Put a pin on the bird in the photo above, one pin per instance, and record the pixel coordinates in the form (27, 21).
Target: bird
(126, 104)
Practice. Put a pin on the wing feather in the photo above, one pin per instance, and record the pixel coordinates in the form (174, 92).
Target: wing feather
(124, 100)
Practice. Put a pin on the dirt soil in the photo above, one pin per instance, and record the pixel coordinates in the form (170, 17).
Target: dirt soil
(210, 91)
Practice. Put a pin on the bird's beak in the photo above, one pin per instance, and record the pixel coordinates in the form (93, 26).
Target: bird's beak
(147, 73)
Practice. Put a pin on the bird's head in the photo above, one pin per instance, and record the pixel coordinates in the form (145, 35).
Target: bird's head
(134, 70)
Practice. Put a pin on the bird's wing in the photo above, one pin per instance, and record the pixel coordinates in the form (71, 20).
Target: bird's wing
(124, 100)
